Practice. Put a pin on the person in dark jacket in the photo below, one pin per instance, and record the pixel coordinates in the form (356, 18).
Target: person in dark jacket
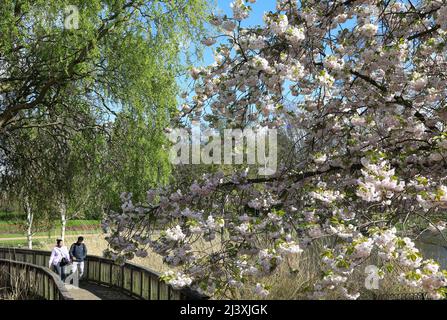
(78, 253)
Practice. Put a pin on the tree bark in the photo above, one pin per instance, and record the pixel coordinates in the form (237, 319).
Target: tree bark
(29, 223)
(63, 209)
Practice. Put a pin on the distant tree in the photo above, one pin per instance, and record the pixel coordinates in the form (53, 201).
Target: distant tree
(120, 52)
(63, 84)
(29, 179)
(135, 158)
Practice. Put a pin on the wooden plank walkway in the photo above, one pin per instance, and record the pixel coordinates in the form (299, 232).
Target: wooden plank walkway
(91, 291)
(104, 279)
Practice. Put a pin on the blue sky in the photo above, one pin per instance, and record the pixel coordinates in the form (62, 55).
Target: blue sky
(259, 8)
(222, 8)
(255, 18)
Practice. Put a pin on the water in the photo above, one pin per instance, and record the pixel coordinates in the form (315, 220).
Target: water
(433, 246)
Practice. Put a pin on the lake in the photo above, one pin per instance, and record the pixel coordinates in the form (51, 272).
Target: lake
(433, 246)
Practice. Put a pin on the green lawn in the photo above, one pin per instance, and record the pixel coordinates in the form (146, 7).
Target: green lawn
(57, 223)
(12, 229)
(82, 222)
(12, 226)
(53, 233)
(20, 244)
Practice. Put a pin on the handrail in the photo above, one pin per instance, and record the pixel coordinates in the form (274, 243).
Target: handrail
(401, 296)
(44, 282)
(136, 281)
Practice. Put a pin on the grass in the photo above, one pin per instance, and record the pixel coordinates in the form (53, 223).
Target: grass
(7, 225)
(294, 279)
(75, 223)
(53, 233)
(56, 223)
(11, 229)
(19, 243)
(15, 286)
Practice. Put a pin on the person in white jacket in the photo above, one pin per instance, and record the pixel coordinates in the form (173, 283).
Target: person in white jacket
(59, 258)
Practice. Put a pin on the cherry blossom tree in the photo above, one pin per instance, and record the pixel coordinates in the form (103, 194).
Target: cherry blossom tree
(365, 83)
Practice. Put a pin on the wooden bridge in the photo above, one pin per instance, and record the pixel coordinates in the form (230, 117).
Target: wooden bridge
(103, 279)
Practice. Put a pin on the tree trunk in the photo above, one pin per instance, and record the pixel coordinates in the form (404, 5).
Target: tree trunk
(63, 209)
(29, 224)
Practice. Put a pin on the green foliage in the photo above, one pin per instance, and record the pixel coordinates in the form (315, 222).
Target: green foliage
(83, 111)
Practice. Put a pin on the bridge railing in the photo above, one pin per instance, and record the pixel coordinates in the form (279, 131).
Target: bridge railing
(136, 281)
(402, 296)
(41, 282)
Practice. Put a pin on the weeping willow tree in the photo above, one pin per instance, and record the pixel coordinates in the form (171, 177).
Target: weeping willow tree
(99, 77)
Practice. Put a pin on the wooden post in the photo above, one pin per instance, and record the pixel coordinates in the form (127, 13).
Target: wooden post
(150, 286)
(111, 274)
(141, 284)
(122, 277)
(158, 290)
(99, 272)
(131, 281)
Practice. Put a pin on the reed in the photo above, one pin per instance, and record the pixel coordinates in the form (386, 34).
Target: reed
(294, 280)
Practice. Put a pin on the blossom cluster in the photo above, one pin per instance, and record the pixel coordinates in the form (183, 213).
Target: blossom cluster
(365, 174)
